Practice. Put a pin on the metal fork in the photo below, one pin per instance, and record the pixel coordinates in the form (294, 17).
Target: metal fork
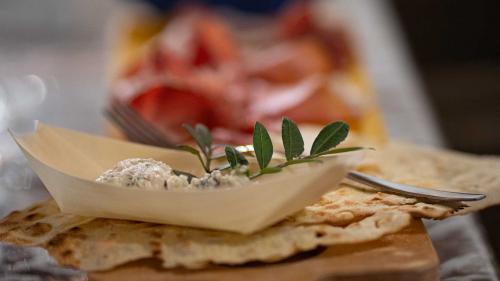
(134, 126)
(140, 130)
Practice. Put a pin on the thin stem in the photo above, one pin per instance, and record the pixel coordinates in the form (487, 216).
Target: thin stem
(255, 175)
(283, 165)
(203, 163)
(188, 175)
(209, 159)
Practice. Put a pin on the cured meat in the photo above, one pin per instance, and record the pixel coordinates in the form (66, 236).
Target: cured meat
(197, 70)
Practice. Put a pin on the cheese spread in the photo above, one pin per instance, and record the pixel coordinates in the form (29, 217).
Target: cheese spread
(149, 174)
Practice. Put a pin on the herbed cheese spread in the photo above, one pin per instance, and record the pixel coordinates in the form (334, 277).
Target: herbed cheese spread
(149, 174)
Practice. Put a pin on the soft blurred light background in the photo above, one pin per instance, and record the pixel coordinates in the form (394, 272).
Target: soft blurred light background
(52, 67)
(58, 50)
(456, 45)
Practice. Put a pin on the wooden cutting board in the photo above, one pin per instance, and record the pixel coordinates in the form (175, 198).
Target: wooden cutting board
(407, 255)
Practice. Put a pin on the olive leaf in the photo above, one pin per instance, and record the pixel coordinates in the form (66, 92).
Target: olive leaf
(189, 149)
(341, 150)
(203, 139)
(193, 151)
(329, 137)
(205, 136)
(292, 139)
(201, 135)
(234, 157)
(262, 145)
(191, 131)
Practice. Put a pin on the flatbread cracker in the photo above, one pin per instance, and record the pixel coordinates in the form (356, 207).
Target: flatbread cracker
(439, 169)
(348, 204)
(102, 244)
(350, 214)
(37, 224)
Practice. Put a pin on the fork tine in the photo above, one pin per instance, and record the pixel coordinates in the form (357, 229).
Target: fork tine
(135, 123)
(147, 126)
(126, 129)
(130, 127)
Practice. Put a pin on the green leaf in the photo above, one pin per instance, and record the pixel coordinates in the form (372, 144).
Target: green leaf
(205, 136)
(241, 158)
(201, 135)
(193, 134)
(189, 149)
(193, 151)
(234, 157)
(292, 139)
(231, 156)
(190, 130)
(342, 150)
(329, 137)
(262, 145)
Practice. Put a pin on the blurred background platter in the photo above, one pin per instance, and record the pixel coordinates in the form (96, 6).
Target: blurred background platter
(137, 30)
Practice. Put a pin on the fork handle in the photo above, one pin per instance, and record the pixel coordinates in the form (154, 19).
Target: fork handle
(408, 190)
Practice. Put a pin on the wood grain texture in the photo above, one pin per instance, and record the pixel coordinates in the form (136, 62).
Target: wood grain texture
(407, 255)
